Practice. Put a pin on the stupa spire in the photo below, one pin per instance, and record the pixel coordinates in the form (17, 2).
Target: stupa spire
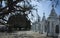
(43, 19)
(53, 13)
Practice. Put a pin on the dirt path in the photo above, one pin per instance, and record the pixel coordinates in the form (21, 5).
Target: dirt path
(22, 34)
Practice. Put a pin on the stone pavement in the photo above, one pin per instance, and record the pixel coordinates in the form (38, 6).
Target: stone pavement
(23, 34)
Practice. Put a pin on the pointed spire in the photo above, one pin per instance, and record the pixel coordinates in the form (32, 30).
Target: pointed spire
(43, 19)
(53, 13)
(38, 17)
(44, 14)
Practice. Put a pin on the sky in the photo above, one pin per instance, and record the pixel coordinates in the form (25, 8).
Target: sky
(45, 7)
(42, 7)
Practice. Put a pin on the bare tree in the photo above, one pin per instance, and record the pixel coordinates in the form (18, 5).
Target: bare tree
(19, 19)
(56, 2)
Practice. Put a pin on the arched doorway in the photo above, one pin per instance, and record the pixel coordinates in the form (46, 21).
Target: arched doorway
(57, 29)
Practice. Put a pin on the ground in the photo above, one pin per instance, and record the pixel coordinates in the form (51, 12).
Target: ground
(22, 34)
